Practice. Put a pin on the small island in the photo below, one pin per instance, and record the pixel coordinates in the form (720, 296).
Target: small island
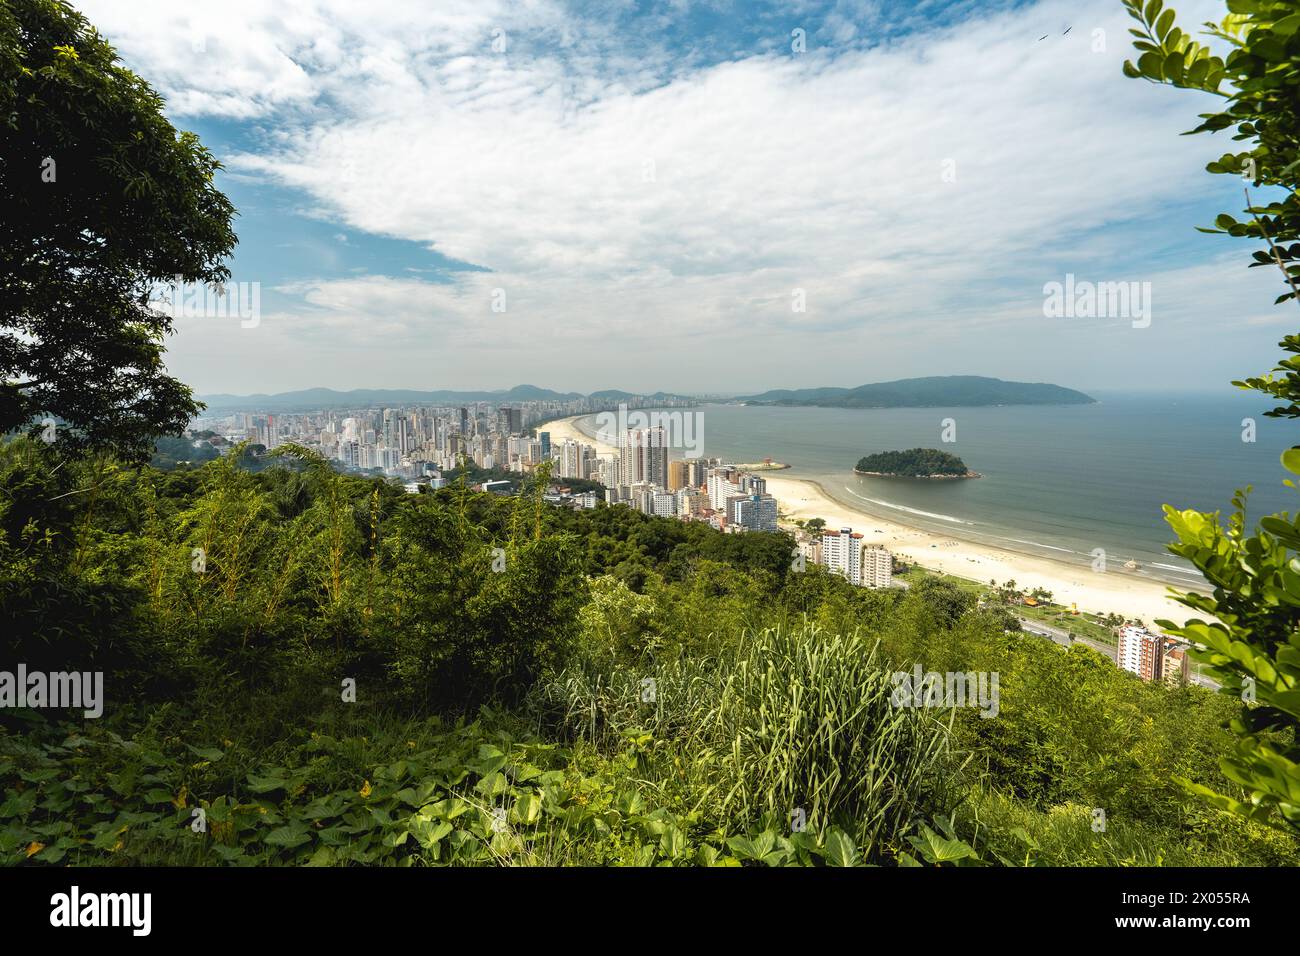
(914, 463)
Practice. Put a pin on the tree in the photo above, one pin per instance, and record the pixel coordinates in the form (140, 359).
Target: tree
(103, 201)
(1253, 646)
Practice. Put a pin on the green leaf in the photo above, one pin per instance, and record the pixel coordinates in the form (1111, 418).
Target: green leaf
(1291, 460)
(840, 850)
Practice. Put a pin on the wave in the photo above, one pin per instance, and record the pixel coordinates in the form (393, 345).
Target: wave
(1039, 544)
(913, 511)
(1174, 567)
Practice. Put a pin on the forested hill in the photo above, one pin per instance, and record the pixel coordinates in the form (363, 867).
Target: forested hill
(914, 463)
(932, 392)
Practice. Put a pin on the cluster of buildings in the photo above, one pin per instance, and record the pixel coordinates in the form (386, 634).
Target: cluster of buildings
(643, 476)
(844, 553)
(415, 442)
(1152, 657)
(419, 444)
(404, 442)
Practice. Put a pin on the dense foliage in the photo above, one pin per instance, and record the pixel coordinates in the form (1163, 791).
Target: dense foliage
(914, 463)
(351, 674)
(103, 200)
(1252, 639)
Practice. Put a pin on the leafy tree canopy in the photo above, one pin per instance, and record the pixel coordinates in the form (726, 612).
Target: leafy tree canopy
(104, 199)
(1252, 641)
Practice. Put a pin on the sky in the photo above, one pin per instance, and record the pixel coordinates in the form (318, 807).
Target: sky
(703, 197)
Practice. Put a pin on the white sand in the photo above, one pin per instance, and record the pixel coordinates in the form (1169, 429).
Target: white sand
(1115, 590)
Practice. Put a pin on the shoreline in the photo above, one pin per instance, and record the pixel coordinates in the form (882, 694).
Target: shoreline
(804, 498)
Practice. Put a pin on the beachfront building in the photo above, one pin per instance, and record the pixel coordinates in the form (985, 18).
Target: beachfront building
(753, 512)
(877, 567)
(842, 554)
(1140, 652)
(721, 484)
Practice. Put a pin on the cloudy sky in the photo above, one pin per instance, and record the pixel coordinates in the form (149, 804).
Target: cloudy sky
(650, 190)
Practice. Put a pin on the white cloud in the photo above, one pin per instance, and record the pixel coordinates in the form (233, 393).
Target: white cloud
(616, 209)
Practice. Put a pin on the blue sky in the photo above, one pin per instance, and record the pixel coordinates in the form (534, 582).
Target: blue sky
(648, 188)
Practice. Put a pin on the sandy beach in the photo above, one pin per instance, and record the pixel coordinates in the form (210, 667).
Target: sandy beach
(1112, 591)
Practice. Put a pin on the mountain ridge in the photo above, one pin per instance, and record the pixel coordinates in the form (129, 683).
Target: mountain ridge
(926, 392)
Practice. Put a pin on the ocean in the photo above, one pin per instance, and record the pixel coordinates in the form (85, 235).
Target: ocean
(1058, 481)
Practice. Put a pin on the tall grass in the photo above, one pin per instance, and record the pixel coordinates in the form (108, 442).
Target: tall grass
(782, 721)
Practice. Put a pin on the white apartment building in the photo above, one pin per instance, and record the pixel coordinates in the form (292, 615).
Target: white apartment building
(663, 504)
(721, 484)
(877, 567)
(842, 554)
(1140, 652)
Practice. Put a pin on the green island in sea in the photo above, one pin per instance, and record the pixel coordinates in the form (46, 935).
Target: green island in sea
(914, 463)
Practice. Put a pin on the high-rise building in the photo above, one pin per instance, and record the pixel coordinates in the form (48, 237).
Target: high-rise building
(842, 553)
(663, 504)
(1140, 652)
(643, 456)
(754, 512)
(545, 438)
(676, 475)
(697, 472)
(390, 428)
(575, 459)
(510, 421)
(877, 567)
(721, 484)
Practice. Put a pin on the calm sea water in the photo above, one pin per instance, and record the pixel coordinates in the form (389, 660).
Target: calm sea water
(1058, 481)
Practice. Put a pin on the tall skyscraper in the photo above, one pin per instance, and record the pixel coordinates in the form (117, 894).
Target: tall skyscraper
(390, 428)
(643, 456)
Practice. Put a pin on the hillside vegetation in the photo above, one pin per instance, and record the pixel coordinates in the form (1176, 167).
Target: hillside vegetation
(345, 678)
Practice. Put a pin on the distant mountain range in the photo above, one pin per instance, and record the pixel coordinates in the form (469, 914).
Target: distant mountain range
(934, 391)
(309, 399)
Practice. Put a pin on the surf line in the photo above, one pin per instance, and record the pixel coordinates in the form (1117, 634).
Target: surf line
(914, 511)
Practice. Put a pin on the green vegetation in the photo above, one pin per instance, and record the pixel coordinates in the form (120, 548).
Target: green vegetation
(624, 690)
(1253, 642)
(103, 199)
(306, 667)
(947, 391)
(914, 463)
